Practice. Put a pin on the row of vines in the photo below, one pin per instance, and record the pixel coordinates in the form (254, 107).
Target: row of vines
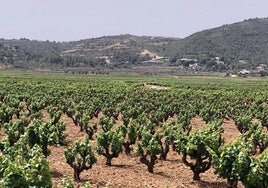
(146, 129)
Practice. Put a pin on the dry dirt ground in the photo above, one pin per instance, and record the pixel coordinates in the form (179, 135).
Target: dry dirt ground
(150, 54)
(127, 171)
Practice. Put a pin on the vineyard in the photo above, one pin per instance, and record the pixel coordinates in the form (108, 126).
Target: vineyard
(59, 131)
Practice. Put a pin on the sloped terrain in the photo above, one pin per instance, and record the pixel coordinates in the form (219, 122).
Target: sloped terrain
(237, 46)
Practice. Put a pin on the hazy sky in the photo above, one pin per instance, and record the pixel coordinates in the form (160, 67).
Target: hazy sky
(65, 20)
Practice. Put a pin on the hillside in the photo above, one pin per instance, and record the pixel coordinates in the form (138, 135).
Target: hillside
(232, 47)
(241, 45)
(108, 51)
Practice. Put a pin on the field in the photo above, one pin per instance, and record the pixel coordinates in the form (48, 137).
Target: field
(181, 132)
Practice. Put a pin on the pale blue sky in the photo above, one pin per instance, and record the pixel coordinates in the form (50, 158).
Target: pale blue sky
(66, 20)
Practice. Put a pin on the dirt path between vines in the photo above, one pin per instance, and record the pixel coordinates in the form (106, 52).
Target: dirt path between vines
(127, 171)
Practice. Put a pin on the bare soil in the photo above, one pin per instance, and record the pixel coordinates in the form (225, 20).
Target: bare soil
(2, 134)
(150, 54)
(127, 171)
(156, 87)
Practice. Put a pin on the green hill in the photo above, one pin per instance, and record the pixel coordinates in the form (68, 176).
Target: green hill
(108, 51)
(242, 45)
(233, 47)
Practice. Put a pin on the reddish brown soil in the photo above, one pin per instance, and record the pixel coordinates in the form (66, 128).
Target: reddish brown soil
(127, 171)
(230, 131)
(197, 123)
(2, 134)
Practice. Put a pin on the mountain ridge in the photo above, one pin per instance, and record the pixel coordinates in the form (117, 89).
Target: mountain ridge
(231, 47)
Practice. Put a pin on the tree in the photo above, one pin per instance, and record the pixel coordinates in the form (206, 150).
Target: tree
(257, 175)
(244, 159)
(148, 149)
(110, 145)
(38, 134)
(81, 157)
(169, 132)
(14, 130)
(21, 166)
(255, 136)
(196, 145)
(6, 113)
(232, 162)
(242, 122)
(130, 135)
(90, 130)
(45, 134)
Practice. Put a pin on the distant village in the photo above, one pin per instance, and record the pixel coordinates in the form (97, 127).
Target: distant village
(259, 71)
